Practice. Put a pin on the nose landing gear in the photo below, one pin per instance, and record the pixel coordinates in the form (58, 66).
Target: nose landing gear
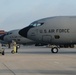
(54, 50)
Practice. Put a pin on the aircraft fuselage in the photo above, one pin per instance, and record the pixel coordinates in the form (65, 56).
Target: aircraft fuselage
(53, 30)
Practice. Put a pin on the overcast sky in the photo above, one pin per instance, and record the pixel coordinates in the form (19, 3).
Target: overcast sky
(16, 14)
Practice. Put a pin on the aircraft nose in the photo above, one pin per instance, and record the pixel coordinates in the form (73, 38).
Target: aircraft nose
(2, 37)
(23, 32)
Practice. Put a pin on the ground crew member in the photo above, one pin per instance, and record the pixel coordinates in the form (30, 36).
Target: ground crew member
(14, 47)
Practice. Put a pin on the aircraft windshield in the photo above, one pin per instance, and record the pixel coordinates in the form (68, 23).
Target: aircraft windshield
(36, 24)
(8, 33)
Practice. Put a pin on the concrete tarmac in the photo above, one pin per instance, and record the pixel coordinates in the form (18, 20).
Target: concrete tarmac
(31, 60)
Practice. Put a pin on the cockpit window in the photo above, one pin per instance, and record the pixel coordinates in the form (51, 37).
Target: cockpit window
(8, 33)
(36, 24)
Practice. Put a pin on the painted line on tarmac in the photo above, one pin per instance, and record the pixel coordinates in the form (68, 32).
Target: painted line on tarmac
(9, 69)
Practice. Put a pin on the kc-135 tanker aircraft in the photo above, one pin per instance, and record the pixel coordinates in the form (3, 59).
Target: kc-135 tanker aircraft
(58, 30)
(13, 35)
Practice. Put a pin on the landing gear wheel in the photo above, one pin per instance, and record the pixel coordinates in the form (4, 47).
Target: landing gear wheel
(54, 50)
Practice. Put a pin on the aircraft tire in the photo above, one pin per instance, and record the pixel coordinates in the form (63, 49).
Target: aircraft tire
(54, 50)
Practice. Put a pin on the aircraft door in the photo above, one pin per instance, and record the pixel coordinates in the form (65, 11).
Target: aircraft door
(46, 38)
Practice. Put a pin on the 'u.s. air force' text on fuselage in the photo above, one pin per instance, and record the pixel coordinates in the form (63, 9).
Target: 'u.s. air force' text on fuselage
(55, 31)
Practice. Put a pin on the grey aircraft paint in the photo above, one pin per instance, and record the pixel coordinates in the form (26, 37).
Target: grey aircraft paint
(52, 30)
(14, 35)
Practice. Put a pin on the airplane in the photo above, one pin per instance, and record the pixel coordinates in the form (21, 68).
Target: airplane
(13, 35)
(57, 30)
